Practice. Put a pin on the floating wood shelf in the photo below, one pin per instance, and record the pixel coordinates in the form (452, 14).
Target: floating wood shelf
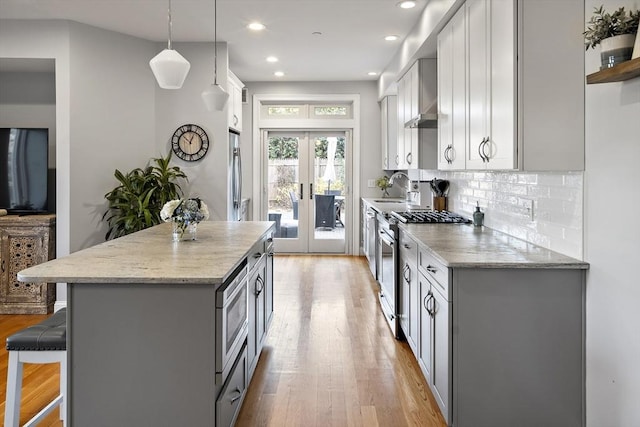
(621, 72)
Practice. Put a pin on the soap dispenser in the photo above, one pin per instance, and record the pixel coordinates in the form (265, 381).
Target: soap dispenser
(478, 217)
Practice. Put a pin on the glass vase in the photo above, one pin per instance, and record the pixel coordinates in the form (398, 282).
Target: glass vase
(181, 231)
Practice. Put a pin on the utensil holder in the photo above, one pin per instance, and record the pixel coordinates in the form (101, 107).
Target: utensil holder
(440, 203)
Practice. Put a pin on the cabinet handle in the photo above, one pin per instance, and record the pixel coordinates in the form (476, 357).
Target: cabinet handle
(3, 270)
(431, 269)
(406, 273)
(486, 143)
(301, 191)
(311, 191)
(237, 390)
(261, 282)
(480, 152)
(407, 246)
(257, 255)
(409, 158)
(447, 154)
(397, 159)
(432, 310)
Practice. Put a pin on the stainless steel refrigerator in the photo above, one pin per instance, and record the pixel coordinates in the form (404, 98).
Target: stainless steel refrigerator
(235, 177)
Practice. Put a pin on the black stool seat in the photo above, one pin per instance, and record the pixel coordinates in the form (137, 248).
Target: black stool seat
(48, 335)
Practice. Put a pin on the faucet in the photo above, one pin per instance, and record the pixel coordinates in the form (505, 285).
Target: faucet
(398, 174)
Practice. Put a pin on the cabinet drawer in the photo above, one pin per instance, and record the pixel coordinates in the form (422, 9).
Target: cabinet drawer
(233, 392)
(430, 266)
(408, 247)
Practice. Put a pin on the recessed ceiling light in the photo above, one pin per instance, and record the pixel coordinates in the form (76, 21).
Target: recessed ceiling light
(372, 73)
(391, 38)
(279, 74)
(256, 26)
(407, 4)
(272, 59)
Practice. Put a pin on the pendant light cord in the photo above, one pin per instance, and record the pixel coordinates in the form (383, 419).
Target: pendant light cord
(169, 24)
(215, 42)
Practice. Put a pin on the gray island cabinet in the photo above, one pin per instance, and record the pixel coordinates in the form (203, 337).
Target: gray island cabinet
(163, 333)
(500, 337)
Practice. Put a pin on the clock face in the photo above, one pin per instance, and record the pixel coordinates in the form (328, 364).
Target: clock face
(190, 142)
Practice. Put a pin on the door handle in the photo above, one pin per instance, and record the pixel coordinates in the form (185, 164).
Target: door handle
(237, 390)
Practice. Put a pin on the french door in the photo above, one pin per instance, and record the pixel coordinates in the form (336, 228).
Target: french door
(306, 185)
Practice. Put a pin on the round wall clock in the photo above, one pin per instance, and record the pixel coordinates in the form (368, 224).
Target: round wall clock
(190, 142)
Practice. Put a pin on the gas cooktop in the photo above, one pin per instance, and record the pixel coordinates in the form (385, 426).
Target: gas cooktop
(430, 217)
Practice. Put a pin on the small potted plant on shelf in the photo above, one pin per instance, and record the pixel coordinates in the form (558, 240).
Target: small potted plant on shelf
(614, 32)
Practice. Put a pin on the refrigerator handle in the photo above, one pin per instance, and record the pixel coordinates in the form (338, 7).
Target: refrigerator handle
(239, 178)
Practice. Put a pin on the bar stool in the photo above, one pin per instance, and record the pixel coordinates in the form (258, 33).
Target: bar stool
(45, 342)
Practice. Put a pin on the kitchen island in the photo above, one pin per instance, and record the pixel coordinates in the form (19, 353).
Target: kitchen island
(164, 333)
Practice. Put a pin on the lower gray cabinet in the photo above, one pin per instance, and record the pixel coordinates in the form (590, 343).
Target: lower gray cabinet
(233, 392)
(434, 350)
(257, 311)
(409, 290)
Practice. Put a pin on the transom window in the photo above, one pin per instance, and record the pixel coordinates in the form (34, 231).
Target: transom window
(306, 111)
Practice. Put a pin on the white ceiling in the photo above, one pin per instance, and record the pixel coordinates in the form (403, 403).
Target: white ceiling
(351, 44)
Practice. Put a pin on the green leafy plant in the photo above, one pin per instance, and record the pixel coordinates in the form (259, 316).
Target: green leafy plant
(603, 25)
(135, 204)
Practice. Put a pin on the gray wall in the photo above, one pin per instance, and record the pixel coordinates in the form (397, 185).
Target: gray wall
(112, 121)
(612, 245)
(29, 100)
(207, 177)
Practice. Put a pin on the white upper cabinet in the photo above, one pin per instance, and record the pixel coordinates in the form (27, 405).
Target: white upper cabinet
(511, 96)
(452, 96)
(491, 84)
(235, 102)
(417, 91)
(389, 132)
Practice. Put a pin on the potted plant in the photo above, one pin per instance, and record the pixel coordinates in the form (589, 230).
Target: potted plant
(383, 184)
(136, 203)
(614, 32)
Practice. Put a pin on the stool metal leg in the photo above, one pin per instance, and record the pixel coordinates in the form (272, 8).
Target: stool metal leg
(63, 389)
(14, 391)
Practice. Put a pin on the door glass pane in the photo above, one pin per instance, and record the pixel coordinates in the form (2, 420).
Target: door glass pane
(329, 186)
(283, 185)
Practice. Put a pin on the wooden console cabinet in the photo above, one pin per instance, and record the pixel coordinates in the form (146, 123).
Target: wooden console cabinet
(25, 241)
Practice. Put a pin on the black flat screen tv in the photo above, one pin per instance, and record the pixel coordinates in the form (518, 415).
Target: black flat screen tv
(24, 159)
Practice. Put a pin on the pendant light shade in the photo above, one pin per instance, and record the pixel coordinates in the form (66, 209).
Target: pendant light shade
(169, 67)
(215, 97)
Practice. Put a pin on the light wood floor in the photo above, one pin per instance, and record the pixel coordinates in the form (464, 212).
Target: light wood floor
(330, 359)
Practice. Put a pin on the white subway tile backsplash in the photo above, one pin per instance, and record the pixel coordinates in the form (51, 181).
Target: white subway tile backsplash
(557, 199)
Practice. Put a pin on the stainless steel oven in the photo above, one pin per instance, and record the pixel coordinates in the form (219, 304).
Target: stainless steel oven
(387, 271)
(231, 321)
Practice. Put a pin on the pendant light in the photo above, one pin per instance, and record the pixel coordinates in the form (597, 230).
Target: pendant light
(169, 67)
(215, 97)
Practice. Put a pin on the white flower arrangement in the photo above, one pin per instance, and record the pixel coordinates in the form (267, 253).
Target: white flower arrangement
(185, 211)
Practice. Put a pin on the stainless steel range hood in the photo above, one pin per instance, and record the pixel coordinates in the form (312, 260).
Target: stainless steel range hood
(426, 120)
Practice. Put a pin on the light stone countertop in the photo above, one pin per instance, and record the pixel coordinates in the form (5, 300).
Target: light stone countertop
(150, 256)
(466, 246)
